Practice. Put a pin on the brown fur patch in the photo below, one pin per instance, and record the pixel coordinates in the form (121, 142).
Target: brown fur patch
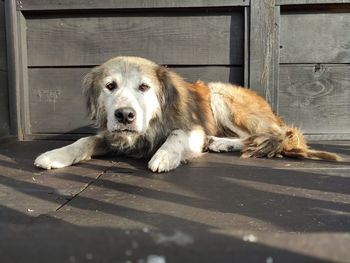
(321, 155)
(201, 95)
(252, 113)
(191, 105)
(263, 145)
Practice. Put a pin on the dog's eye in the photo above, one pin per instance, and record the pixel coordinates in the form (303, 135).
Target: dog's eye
(143, 87)
(111, 86)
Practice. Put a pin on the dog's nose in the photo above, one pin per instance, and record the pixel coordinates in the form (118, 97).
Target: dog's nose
(125, 115)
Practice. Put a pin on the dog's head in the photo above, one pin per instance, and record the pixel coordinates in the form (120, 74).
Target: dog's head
(125, 93)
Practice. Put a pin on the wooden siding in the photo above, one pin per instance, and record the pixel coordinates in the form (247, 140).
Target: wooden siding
(182, 39)
(316, 97)
(3, 65)
(263, 37)
(309, 2)
(314, 86)
(315, 38)
(4, 113)
(26, 5)
(4, 107)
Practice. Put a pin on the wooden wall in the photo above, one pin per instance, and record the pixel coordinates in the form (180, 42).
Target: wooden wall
(62, 47)
(314, 86)
(4, 105)
(295, 53)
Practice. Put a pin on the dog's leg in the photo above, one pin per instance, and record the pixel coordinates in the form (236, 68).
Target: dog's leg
(179, 146)
(82, 149)
(217, 144)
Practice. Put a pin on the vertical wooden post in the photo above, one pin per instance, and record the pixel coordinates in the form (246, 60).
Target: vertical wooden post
(263, 46)
(4, 111)
(13, 62)
(17, 66)
(246, 45)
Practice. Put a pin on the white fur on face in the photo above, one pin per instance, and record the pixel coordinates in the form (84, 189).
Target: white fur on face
(127, 94)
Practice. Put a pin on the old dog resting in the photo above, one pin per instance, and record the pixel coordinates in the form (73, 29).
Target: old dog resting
(145, 110)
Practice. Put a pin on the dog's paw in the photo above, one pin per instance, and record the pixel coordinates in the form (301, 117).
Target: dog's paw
(216, 144)
(163, 161)
(53, 159)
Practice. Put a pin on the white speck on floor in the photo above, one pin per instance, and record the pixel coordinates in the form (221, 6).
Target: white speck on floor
(155, 259)
(128, 252)
(89, 256)
(179, 238)
(250, 238)
(134, 244)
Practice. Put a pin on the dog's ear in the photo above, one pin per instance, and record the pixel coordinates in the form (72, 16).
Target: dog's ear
(91, 93)
(168, 81)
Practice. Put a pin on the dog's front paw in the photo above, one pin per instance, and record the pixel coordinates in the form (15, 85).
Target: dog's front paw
(163, 161)
(53, 159)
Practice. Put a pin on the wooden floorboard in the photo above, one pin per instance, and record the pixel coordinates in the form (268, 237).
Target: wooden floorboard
(218, 208)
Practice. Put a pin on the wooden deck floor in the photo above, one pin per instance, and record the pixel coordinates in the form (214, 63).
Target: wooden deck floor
(219, 208)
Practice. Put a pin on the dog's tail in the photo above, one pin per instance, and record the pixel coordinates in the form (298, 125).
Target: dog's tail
(290, 143)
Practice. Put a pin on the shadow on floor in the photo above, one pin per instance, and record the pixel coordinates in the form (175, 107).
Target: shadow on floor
(46, 239)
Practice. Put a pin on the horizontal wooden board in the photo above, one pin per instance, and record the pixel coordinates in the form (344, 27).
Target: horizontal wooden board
(212, 73)
(57, 106)
(315, 98)
(4, 106)
(55, 101)
(315, 38)
(122, 4)
(309, 2)
(3, 65)
(196, 39)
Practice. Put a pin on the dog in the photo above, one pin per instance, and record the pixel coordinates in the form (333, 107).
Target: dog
(145, 110)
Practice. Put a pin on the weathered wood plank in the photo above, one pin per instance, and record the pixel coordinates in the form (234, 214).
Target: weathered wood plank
(196, 39)
(246, 45)
(23, 94)
(57, 106)
(55, 101)
(32, 191)
(212, 73)
(123, 4)
(14, 65)
(308, 2)
(17, 69)
(201, 212)
(3, 63)
(276, 60)
(315, 38)
(262, 45)
(4, 107)
(316, 98)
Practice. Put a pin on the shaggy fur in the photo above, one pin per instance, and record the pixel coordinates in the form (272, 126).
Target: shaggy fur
(172, 120)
